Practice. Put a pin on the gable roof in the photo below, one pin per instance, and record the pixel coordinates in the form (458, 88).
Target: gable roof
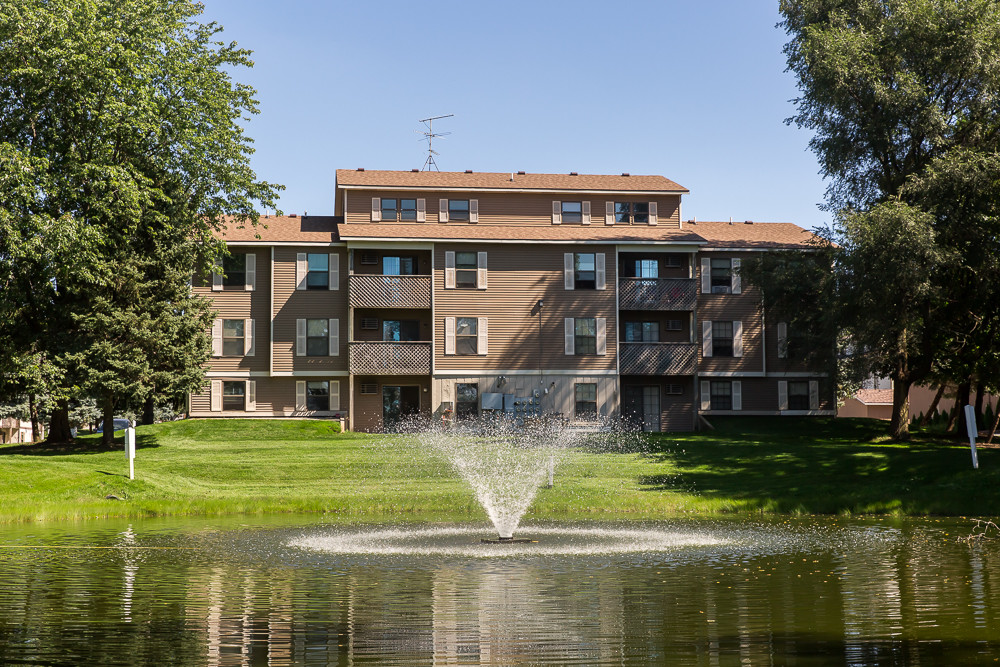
(285, 229)
(510, 181)
(752, 234)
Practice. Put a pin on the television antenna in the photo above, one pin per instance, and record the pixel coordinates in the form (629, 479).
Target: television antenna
(429, 136)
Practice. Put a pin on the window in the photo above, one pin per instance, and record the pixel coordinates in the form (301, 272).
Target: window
(466, 265)
(646, 268)
(722, 395)
(585, 335)
(466, 400)
(318, 276)
(388, 210)
(318, 394)
(234, 395)
(232, 338)
(586, 400)
(458, 209)
(632, 212)
(642, 332)
(400, 330)
(466, 335)
(798, 395)
(722, 339)
(722, 272)
(317, 338)
(399, 266)
(584, 270)
(398, 209)
(408, 209)
(235, 269)
(572, 211)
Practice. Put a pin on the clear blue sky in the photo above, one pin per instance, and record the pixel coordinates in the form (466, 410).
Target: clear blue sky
(694, 91)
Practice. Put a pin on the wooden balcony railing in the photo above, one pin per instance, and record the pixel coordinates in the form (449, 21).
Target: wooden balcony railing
(656, 293)
(389, 358)
(379, 291)
(657, 358)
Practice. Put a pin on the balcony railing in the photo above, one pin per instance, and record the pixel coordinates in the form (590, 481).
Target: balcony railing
(389, 358)
(656, 293)
(379, 291)
(657, 358)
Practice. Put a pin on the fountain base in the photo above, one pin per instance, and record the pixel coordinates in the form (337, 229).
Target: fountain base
(509, 540)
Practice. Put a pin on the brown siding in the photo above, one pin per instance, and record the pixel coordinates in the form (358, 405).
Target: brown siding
(291, 304)
(368, 407)
(275, 396)
(513, 208)
(761, 394)
(518, 276)
(676, 411)
(774, 364)
(732, 307)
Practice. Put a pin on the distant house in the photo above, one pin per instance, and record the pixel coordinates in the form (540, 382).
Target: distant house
(874, 400)
(15, 430)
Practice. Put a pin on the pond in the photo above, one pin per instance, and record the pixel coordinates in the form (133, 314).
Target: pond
(294, 590)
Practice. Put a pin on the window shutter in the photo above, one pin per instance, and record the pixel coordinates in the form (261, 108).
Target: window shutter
(248, 342)
(334, 394)
(737, 390)
(737, 338)
(706, 275)
(300, 338)
(782, 340)
(449, 269)
(600, 274)
(585, 218)
(782, 395)
(334, 334)
(609, 213)
(706, 395)
(568, 323)
(251, 396)
(301, 270)
(216, 396)
(813, 394)
(706, 339)
(568, 280)
(334, 279)
(217, 276)
(250, 278)
(473, 210)
(421, 210)
(481, 270)
(217, 338)
(300, 395)
(449, 335)
(556, 212)
(482, 337)
(652, 212)
(376, 209)
(442, 210)
(602, 336)
(737, 281)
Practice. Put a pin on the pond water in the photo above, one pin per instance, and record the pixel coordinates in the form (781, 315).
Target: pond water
(803, 591)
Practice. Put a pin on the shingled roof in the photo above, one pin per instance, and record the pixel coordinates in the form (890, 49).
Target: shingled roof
(285, 229)
(752, 234)
(457, 180)
(552, 233)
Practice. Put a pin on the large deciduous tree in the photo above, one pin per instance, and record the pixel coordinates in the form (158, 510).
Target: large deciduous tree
(122, 149)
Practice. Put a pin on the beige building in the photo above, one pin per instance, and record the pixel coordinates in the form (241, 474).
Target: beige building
(451, 295)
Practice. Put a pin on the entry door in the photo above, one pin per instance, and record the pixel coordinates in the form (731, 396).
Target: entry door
(651, 408)
(399, 403)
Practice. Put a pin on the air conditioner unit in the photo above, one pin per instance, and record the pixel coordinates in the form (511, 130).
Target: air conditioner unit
(369, 323)
(369, 258)
(720, 289)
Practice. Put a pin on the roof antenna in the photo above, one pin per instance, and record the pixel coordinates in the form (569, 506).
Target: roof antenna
(429, 136)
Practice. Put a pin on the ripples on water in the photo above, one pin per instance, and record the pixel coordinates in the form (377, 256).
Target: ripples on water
(689, 593)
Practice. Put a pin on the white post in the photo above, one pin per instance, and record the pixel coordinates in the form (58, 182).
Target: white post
(130, 448)
(970, 426)
(552, 470)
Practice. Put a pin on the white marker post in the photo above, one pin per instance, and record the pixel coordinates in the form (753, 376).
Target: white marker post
(130, 449)
(970, 426)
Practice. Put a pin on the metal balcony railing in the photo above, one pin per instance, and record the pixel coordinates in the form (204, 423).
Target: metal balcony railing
(380, 291)
(657, 358)
(389, 358)
(656, 293)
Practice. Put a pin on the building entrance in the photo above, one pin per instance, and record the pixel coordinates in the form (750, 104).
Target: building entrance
(398, 404)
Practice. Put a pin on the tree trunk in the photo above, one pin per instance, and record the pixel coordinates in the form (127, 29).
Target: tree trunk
(993, 431)
(952, 418)
(33, 415)
(108, 437)
(961, 400)
(899, 426)
(148, 416)
(980, 395)
(930, 411)
(59, 424)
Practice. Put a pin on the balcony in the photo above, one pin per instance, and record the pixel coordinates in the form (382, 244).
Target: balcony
(379, 291)
(389, 358)
(657, 293)
(657, 358)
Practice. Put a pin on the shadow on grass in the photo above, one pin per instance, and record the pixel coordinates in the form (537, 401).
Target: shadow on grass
(826, 466)
(86, 444)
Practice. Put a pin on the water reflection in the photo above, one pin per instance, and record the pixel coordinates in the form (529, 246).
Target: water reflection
(817, 592)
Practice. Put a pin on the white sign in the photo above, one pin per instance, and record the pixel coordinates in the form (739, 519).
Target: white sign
(130, 449)
(973, 430)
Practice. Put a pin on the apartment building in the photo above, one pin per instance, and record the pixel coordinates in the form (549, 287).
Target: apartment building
(454, 294)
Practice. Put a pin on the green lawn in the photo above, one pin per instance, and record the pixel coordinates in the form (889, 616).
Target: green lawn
(256, 466)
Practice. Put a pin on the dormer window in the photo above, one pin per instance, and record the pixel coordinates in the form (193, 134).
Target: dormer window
(458, 210)
(572, 211)
(632, 212)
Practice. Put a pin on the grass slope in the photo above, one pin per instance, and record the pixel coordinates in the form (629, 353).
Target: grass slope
(260, 466)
